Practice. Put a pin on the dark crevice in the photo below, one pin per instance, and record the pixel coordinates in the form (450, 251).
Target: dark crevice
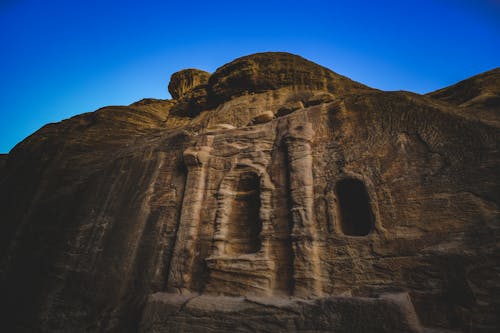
(181, 172)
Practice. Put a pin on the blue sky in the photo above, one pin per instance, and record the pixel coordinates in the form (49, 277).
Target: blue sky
(62, 58)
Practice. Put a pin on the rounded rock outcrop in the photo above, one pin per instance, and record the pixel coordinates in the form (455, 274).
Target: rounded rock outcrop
(186, 80)
(273, 70)
(195, 90)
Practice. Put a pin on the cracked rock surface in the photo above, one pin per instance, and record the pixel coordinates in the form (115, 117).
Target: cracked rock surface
(272, 195)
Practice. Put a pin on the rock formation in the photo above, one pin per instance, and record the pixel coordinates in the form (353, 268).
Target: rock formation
(185, 81)
(272, 195)
(479, 95)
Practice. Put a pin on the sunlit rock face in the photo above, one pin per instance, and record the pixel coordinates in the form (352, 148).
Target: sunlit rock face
(184, 81)
(269, 71)
(273, 195)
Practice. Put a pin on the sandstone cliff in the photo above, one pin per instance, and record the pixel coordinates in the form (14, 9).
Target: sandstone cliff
(272, 195)
(478, 96)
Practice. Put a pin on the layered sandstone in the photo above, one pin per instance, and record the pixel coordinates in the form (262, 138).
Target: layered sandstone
(205, 313)
(477, 97)
(184, 81)
(260, 72)
(272, 195)
(480, 92)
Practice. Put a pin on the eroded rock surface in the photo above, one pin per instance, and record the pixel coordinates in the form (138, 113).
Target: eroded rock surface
(257, 73)
(477, 96)
(268, 71)
(162, 218)
(185, 81)
(481, 91)
(195, 313)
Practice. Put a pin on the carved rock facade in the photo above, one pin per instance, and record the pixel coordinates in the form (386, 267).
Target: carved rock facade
(343, 209)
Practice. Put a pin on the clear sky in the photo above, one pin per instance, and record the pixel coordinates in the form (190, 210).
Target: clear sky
(62, 58)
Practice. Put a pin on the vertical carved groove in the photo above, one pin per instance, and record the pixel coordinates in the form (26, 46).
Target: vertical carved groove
(182, 173)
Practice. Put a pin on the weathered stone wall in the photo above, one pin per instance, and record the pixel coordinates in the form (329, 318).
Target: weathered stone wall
(176, 313)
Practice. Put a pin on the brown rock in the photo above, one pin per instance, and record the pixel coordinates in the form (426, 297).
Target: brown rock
(481, 92)
(263, 117)
(219, 127)
(289, 108)
(194, 313)
(272, 70)
(185, 81)
(319, 98)
(134, 218)
(192, 103)
(478, 96)
(254, 74)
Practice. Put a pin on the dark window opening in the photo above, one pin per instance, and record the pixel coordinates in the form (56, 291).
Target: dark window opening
(356, 217)
(244, 223)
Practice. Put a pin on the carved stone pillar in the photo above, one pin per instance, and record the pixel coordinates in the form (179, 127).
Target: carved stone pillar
(306, 268)
(181, 267)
